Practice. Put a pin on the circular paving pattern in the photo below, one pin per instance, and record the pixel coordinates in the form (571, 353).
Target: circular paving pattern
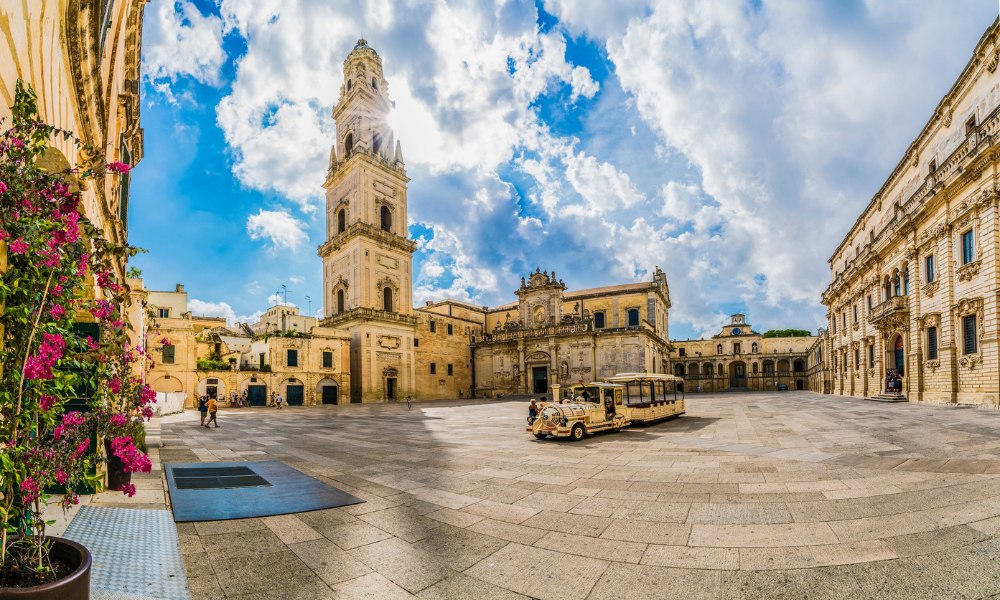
(778, 495)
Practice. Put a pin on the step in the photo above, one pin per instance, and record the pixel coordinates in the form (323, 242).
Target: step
(888, 398)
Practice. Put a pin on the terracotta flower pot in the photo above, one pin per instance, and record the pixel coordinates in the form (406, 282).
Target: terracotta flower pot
(75, 586)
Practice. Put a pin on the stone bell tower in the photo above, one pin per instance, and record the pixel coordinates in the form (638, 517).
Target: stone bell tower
(367, 256)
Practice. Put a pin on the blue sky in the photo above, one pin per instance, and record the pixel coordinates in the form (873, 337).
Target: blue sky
(730, 143)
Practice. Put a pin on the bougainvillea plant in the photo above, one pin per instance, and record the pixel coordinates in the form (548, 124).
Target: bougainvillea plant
(59, 389)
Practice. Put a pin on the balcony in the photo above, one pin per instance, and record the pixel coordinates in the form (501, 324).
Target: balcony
(360, 228)
(889, 313)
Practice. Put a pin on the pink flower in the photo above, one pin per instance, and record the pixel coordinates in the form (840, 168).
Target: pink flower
(29, 488)
(82, 447)
(118, 420)
(147, 395)
(92, 344)
(3, 187)
(103, 309)
(128, 489)
(18, 246)
(39, 366)
(133, 460)
(47, 402)
(166, 342)
(57, 311)
(115, 385)
(61, 477)
(119, 167)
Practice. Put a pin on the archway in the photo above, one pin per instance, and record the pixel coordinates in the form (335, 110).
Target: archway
(212, 386)
(798, 366)
(328, 391)
(898, 356)
(168, 384)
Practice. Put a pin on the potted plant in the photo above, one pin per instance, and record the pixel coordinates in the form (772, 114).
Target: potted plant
(60, 388)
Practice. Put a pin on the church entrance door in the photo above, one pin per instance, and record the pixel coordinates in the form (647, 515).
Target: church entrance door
(540, 379)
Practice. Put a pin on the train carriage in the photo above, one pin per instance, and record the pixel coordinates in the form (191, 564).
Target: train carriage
(651, 397)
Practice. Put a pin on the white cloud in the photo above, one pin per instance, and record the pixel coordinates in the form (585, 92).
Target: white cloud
(179, 41)
(202, 308)
(279, 227)
(583, 84)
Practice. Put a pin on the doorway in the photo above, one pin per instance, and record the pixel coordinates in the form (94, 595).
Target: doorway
(390, 388)
(257, 395)
(540, 379)
(738, 375)
(899, 360)
(329, 394)
(799, 385)
(296, 395)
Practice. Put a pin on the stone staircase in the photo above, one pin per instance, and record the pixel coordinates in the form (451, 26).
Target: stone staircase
(884, 397)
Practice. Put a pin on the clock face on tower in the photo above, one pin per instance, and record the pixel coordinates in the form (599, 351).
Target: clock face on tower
(737, 331)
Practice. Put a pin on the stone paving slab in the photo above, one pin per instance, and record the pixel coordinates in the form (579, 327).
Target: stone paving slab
(791, 495)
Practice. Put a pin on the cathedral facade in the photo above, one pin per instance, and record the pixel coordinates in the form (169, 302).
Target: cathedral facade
(913, 294)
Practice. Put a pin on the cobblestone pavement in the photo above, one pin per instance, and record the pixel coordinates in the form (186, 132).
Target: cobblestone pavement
(784, 495)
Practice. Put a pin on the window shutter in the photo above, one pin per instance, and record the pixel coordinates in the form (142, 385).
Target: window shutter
(969, 333)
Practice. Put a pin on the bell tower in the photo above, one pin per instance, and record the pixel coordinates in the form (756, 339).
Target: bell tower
(367, 256)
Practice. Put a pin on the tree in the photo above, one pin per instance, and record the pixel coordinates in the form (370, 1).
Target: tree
(783, 333)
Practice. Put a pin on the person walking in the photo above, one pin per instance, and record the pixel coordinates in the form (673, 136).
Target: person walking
(409, 400)
(278, 400)
(532, 411)
(213, 410)
(203, 409)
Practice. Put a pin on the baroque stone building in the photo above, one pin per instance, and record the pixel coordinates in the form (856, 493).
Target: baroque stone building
(914, 282)
(553, 336)
(741, 359)
(82, 60)
(199, 355)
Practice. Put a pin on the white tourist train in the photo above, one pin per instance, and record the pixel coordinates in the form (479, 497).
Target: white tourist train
(619, 401)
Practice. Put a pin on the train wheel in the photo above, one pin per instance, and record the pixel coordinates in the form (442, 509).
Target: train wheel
(578, 432)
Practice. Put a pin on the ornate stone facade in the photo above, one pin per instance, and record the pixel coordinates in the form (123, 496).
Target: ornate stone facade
(553, 336)
(915, 280)
(740, 359)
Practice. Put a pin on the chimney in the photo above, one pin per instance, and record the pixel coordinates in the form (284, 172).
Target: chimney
(179, 287)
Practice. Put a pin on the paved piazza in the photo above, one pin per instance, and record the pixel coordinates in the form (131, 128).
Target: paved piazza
(784, 495)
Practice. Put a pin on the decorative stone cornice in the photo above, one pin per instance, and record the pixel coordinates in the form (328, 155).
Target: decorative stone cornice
(968, 271)
(930, 288)
(970, 361)
(385, 238)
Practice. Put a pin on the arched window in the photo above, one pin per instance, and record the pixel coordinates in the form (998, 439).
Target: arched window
(350, 84)
(340, 301)
(906, 282)
(348, 144)
(679, 370)
(709, 370)
(753, 368)
(798, 366)
(718, 349)
(387, 299)
(633, 317)
(376, 142)
(341, 221)
(386, 215)
(753, 347)
(374, 84)
(897, 288)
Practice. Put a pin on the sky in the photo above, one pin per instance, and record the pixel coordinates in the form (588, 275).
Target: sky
(732, 143)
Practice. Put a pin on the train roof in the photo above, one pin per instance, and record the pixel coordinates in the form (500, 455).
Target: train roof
(626, 377)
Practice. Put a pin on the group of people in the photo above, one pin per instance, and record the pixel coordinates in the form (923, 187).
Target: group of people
(894, 381)
(208, 407)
